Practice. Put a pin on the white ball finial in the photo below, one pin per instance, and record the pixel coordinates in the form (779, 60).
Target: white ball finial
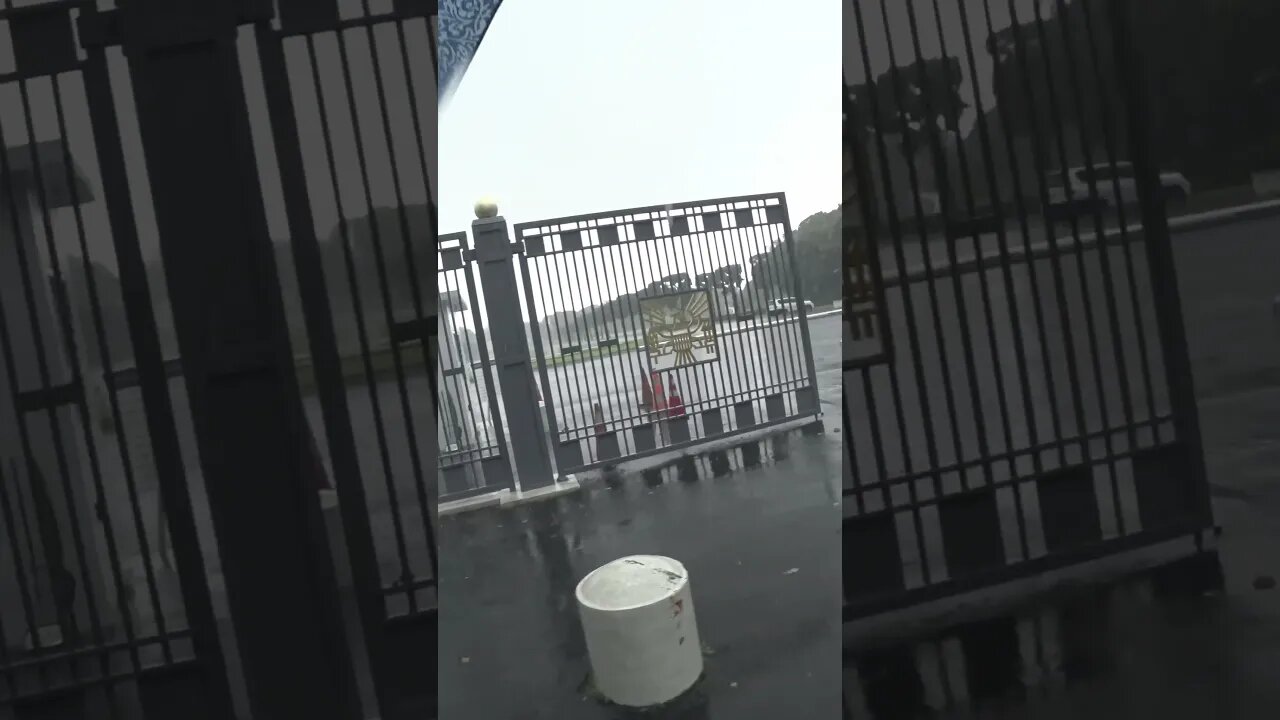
(486, 207)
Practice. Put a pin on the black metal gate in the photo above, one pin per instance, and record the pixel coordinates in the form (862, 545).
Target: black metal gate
(473, 455)
(1034, 409)
(105, 604)
(346, 89)
(659, 328)
(174, 335)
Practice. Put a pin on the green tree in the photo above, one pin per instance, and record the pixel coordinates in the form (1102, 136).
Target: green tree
(922, 97)
(917, 104)
(818, 250)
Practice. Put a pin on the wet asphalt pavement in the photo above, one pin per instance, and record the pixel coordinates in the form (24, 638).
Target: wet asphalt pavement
(758, 528)
(759, 545)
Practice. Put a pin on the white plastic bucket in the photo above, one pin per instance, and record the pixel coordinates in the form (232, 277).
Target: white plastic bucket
(641, 633)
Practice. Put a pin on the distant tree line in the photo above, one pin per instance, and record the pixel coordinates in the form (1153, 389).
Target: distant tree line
(1213, 97)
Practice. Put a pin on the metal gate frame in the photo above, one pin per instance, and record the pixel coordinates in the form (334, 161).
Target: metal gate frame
(188, 680)
(190, 95)
(693, 222)
(1170, 477)
(485, 467)
(400, 637)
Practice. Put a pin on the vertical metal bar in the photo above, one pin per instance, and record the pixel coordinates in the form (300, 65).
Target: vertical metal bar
(375, 400)
(628, 251)
(411, 436)
(598, 389)
(469, 384)
(673, 267)
(491, 393)
(594, 353)
(1002, 244)
(1033, 275)
(473, 405)
(1055, 252)
(233, 335)
(154, 383)
(588, 382)
(380, 266)
(74, 358)
(760, 338)
(1091, 333)
(1164, 272)
(895, 231)
(26, 586)
(867, 194)
(600, 314)
(922, 384)
(738, 375)
(726, 376)
(787, 362)
(30, 303)
(806, 338)
(27, 267)
(511, 351)
(1106, 117)
(1104, 255)
(90, 589)
(527, 267)
(983, 431)
(117, 416)
(326, 360)
(564, 334)
(712, 375)
(878, 455)
(765, 275)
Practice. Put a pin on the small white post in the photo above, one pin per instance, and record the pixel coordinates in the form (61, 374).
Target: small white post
(641, 633)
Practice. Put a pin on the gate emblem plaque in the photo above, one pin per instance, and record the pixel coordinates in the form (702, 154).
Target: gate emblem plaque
(679, 330)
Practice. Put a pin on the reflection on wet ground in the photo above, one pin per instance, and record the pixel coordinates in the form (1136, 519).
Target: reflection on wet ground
(757, 529)
(1144, 649)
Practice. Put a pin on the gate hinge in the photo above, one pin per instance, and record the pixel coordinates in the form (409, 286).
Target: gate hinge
(106, 28)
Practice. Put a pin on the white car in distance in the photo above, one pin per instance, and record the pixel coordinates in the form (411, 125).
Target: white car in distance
(788, 306)
(1116, 186)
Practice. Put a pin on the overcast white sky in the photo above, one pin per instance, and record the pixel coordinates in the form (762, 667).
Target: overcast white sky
(576, 106)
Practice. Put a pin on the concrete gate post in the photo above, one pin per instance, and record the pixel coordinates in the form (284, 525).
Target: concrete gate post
(495, 256)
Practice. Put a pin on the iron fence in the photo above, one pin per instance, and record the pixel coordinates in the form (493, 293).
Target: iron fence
(662, 327)
(107, 599)
(345, 94)
(104, 599)
(1034, 411)
(473, 459)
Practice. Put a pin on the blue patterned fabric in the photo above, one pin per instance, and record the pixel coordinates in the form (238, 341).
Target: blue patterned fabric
(462, 27)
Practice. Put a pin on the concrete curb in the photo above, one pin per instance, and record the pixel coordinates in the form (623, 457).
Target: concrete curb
(1041, 250)
(1240, 213)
